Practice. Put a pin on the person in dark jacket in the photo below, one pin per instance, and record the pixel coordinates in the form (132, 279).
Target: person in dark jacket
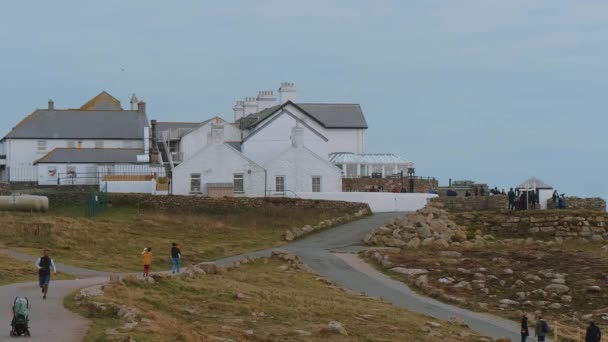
(512, 198)
(176, 255)
(524, 328)
(593, 333)
(44, 264)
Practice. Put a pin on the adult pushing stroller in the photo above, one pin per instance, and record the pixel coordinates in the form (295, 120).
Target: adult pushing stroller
(21, 314)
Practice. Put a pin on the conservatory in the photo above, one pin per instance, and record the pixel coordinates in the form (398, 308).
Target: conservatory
(374, 165)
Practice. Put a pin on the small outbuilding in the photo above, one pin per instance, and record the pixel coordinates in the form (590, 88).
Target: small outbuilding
(542, 189)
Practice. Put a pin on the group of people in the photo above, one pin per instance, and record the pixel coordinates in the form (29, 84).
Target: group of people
(528, 200)
(542, 329)
(176, 256)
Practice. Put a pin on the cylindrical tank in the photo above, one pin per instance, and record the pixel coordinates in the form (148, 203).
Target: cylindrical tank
(24, 203)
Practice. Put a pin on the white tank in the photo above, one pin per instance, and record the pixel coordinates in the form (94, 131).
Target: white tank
(24, 203)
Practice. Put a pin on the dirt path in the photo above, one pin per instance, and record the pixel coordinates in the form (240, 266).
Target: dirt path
(323, 252)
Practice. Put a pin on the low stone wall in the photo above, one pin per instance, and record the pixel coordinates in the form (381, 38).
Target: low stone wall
(5, 189)
(195, 204)
(474, 203)
(592, 203)
(421, 185)
(558, 223)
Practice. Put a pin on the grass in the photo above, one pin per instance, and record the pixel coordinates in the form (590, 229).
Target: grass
(17, 271)
(579, 262)
(114, 240)
(276, 304)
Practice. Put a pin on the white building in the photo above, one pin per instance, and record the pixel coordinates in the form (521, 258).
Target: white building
(100, 124)
(542, 190)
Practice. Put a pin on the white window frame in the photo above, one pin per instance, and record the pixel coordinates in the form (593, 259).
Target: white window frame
(313, 178)
(277, 186)
(41, 146)
(193, 177)
(241, 177)
(98, 143)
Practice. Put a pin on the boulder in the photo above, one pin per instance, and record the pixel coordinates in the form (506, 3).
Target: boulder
(557, 288)
(337, 328)
(594, 289)
(289, 235)
(566, 299)
(409, 271)
(450, 254)
(555, 306)
(413, 243)
(423, 230)
(208, 267)
(507, 271)
(508, 302)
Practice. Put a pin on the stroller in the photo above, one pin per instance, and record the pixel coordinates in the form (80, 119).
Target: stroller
(21, 313)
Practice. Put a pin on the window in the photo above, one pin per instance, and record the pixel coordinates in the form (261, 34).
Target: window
(41, 146)
(99, 144)
(316, 184)
(195, 182)
(280, 184)
(71, 144)
(239, 183)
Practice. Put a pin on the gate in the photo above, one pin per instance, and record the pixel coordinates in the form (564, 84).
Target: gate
(96, 202)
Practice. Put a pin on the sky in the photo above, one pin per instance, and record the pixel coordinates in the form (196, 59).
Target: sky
(491, 91)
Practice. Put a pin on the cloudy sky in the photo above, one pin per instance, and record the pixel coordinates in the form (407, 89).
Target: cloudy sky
(493, 91)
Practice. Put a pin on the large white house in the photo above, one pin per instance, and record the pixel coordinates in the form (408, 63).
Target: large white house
(54, 144)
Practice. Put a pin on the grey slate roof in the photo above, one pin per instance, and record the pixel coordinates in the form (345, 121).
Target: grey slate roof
(91, 155)
(79, 124)
(330, 115)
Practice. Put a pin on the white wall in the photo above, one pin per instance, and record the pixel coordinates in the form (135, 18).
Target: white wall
(217, 163)
(346, 140)
(90, 173)
(378, 201)
(275, 138)
(543, 196)
(194, 141)
(298, 166)
(141, 187)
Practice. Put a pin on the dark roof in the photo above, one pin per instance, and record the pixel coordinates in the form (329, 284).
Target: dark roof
(81, 124)
(234, 144)
(91, 155)
(329, 115)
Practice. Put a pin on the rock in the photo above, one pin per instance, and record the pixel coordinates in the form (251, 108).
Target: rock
(208, 267)
(422, 281)
(413, 243)
(558, 281)
(409, 271)
(507, 271)
(433, 324)
(463, 285)
(302, 333)
(521, 295)
(532, 277)
(93, 291)
(519, 282)
(587, 317)
(150, 280)
(597, 237)
(539, 293)
(424, 231)
(441, 243)
(427, 241)
(479, 276)
(557, 288)
(467, 244)
(502, 282)
(594, 289)
(337, 327)
(459, 236)
(307, 229)
(283, 268)
(446, 280)
(458, 322)
(289, 235)
(566, 299)
(508, 302)
(240, 296)
(555, 306)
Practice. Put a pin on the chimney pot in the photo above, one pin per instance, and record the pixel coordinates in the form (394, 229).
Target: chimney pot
(51, 104)
(141, 107)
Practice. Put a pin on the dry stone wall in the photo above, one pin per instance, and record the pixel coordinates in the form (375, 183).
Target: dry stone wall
(593, 203)
(5, 189)
(421, 185)
(474, 203)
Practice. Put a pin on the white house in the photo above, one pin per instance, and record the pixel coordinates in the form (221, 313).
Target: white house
(101, 123)
(298, 169)
(218, 165)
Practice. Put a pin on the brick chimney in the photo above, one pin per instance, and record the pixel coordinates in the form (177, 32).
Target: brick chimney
(51, 104)
(141, 107)
(134, 102)
(265, 99)
(154, 153)
(287, 92)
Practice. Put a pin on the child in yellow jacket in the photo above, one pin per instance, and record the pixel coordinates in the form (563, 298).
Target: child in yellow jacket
(147, 259)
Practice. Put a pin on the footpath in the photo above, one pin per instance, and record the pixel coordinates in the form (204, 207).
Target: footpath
(330, 253)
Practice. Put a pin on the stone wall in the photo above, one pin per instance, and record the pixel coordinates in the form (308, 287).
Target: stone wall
(421, 185)
(5, 189)
(195, 204)
(592, 203)
(557, 223)
(474, 203)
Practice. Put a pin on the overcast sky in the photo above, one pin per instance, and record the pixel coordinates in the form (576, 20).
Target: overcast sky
(493, 91)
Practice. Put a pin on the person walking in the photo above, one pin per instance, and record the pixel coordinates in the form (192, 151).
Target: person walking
(512, 197)
(147, 259)
(555, 198)
(594, 333)
(541, 330)
(524, 328)
(44, 265)
(176, 255)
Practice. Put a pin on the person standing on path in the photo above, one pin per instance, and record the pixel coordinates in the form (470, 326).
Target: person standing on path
(593, 333)
(541, 330)
(524, 328)
(147, 259)
(176, 255)
(44, 265)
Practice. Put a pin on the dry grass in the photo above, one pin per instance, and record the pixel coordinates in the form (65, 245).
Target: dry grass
(276, 304)
(580, 263)
(16, 271)
(114, 240)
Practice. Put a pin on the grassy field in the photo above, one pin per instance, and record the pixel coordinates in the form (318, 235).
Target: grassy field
(515, 272)
(16, 271)
(274, 304)
(114, 240)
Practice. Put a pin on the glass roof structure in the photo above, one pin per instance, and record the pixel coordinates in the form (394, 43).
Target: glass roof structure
(366, 159)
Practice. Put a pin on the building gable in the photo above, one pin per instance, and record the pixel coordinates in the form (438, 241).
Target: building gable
(103, 101)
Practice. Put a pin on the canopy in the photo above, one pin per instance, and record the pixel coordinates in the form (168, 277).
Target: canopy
(366, 158)
(534, 183)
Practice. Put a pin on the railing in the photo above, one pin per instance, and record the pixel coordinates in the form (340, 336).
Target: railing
(22, 174)
(175, 133)
(562, 332)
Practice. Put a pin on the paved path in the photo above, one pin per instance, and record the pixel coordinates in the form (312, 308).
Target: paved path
(324, 252)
